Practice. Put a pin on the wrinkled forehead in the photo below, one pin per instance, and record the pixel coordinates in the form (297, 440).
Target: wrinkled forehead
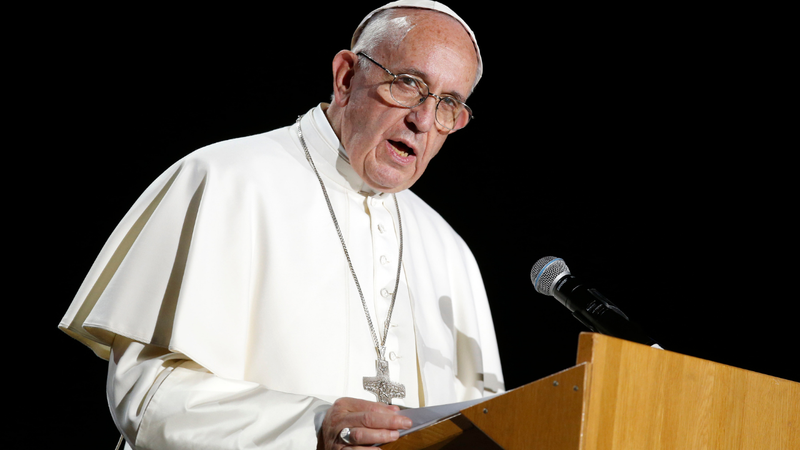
(429, 5)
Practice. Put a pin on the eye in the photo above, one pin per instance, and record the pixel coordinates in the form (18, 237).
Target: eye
(450, 103)
(408, 82)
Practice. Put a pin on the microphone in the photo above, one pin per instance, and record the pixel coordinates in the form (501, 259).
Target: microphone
(551, 276)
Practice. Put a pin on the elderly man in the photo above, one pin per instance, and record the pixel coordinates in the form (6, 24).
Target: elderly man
(286, 290)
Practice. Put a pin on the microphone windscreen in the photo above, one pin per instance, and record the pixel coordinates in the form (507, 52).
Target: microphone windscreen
(546, 272)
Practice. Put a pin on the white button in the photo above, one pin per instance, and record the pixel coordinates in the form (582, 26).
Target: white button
(385, 292)
(381, 228)
(392, 356)
(384, 260)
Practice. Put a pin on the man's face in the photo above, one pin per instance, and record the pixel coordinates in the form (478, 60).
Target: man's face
(390, 146)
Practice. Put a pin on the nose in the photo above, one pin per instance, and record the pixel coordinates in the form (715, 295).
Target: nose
(423, 116)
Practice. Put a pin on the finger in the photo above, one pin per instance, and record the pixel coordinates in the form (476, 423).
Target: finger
(355, 404)
(355, 413)
(379, 420)
(367, 436)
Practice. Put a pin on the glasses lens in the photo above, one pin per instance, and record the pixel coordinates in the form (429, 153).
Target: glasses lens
(452, 114)
(408, 90)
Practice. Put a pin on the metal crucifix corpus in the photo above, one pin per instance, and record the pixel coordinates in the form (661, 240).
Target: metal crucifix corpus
(380, 385)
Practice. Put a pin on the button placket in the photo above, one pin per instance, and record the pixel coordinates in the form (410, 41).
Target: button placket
(385, 246)
(393, 353)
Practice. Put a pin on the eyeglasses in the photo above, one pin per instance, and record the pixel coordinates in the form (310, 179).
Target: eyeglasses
(410, 91)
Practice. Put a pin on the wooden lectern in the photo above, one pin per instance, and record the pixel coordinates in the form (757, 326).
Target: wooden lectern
(623, 395)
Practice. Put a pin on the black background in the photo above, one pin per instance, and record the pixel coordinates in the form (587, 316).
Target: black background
(641, 145)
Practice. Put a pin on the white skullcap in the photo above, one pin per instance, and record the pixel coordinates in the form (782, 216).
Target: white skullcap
(423, 4)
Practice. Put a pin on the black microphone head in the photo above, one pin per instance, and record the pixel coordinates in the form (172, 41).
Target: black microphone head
(546, 272)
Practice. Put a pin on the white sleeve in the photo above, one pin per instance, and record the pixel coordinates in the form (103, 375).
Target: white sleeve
(160, 399)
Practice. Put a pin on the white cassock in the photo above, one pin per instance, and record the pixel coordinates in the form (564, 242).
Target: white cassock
(236, 317)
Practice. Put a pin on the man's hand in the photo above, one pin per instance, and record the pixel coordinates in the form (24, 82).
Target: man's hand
(369, 423)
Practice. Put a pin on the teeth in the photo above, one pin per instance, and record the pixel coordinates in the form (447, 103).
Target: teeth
(400, 152)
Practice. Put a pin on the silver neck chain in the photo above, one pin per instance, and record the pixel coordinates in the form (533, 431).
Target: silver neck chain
(379, 346)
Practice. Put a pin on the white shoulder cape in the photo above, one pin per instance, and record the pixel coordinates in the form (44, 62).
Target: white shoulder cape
(230, 258)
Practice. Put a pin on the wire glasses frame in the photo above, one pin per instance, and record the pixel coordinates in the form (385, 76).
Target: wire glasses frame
(410, 91)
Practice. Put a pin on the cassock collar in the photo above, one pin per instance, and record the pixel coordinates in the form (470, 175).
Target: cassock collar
(328, 154)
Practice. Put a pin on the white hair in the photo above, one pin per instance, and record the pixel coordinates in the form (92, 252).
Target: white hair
(389, 25)
(384, 26)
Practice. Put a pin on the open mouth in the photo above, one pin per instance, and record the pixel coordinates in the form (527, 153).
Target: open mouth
(402, 149)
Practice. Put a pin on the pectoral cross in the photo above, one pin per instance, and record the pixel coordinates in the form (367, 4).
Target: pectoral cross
(383, 387)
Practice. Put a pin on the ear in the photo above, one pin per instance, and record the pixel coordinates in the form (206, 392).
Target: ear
(344, 68)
